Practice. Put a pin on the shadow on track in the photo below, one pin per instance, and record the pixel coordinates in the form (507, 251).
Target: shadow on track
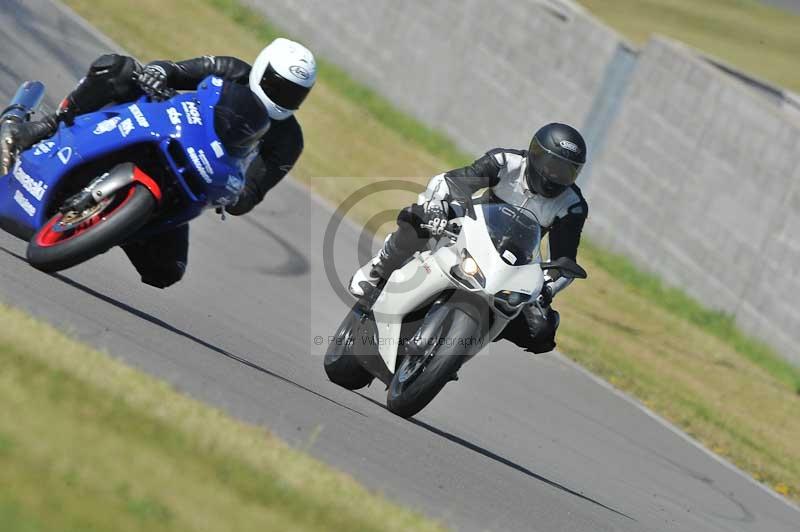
(295, 265)
(166, 326)
(497, 458)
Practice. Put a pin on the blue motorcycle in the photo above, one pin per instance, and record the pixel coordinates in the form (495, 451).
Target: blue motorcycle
(120, 174)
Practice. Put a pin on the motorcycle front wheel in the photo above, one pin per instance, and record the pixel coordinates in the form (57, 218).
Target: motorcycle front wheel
(71, 238)
(421, 375)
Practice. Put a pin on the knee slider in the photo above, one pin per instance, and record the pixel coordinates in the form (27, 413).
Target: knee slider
(114, 73)
(106, 65)
(555, 319)
(411, 214)
(409, 220)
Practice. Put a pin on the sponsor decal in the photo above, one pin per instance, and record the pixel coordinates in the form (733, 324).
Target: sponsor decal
(174, 116)
(192, 113)
(138, 115)
(23, 202)
(217, 82)
(204, 160)
(43, 147)
(34, 188)
(65, 154)
(299, 71)
(202, 166)
(235, 183)
(571, 146)
(106, 125)
(426, 267)
(217, 147)
(125, 127)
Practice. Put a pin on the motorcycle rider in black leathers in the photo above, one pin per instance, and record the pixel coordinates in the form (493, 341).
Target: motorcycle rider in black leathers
(255, 111)
(541, 179)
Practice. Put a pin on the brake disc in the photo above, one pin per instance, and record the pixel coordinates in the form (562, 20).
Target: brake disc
(72, 219)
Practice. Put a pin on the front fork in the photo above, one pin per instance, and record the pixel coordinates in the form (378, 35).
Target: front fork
(108, 184)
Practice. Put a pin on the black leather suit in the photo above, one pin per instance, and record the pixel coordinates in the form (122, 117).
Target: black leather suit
(241, 122)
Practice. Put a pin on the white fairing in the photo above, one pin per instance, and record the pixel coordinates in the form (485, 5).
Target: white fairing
(291, 60)
(428, 274)
(499, 275)
(409, 287)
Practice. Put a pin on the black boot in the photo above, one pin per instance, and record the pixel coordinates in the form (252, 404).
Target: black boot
(16, 137)
(390, 258)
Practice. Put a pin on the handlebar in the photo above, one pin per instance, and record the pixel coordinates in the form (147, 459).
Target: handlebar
(450, 234)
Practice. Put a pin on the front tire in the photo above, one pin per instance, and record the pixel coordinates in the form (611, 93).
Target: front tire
(341, 365)
(72, 238)
(421, 376)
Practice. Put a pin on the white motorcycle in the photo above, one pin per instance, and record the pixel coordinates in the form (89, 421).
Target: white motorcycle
(444, 305)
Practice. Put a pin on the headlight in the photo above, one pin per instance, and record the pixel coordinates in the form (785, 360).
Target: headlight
(468, 272)
(469, 266)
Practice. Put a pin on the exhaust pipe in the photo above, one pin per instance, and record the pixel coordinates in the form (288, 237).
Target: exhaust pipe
(25, 102)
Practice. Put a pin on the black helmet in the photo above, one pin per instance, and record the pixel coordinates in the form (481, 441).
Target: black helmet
(555, 158)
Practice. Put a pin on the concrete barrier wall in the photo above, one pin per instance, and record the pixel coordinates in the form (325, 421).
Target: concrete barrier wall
(483, 72)
(695, 175)
(699, 181)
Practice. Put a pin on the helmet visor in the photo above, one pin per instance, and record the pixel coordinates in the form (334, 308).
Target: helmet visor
(283, 92)
(554, 169)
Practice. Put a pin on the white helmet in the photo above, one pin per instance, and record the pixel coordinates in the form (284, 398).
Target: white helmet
(282, 76)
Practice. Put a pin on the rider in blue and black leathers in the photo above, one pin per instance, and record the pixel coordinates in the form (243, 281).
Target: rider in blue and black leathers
(255, 110)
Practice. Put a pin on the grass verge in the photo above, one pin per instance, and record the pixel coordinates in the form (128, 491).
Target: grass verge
(757, 38)
(678, 303)
(688, 364)
(88, 444)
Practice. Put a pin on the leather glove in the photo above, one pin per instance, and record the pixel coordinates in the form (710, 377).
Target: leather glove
(545, 296)
(435, 215)
(153, 81)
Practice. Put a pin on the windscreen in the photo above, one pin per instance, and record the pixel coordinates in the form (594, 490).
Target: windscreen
(514, 231)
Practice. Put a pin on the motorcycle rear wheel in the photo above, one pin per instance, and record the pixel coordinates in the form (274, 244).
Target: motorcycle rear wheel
(71, 238)
(341, 365)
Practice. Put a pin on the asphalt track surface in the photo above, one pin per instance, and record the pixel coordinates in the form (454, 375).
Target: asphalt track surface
(519, 443)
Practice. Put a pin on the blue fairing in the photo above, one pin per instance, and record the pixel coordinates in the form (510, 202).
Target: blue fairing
(182, 128)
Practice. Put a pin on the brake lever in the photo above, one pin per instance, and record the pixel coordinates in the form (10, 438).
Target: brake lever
(450, 234)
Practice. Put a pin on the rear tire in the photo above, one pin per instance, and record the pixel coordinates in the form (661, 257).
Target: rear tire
(51, 250)
(416, 382)
(340, 362)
